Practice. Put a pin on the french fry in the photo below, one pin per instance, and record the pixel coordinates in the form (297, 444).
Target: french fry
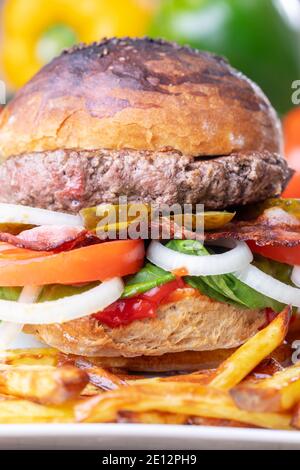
(277, 393)
(200, 377)
(42, 384)
(151, 417)
(90, 390)
(171, 397)
(45, 385)
(100, 377)
(24, 411)
(38, 356)
(156, 417)
(250, 354)
(265, 369)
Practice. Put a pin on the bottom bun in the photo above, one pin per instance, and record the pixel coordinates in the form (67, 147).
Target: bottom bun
(193, 323)
(185, 361)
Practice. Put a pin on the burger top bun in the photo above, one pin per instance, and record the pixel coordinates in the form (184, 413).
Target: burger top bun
(140, 94)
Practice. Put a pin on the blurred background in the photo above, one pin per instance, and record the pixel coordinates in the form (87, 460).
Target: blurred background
(259, 37)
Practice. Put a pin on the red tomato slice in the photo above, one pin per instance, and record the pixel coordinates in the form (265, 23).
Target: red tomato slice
(282, 254)
(12, 253)
(291, 129)
(20, 267)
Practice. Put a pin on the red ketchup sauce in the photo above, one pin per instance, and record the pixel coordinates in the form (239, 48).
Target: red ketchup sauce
(125, 311)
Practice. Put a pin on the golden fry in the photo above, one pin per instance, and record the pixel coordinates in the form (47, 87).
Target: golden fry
(100, 377)
(79, 387)
(200, 377)
(159, 417)
(151, 417)
(38, 356)
(250, 354)
(90, 390)
(42, 384)
(174, 397)
(23, 411)
(277, 393)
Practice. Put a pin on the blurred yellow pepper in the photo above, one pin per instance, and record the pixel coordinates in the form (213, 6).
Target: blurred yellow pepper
(34, 31)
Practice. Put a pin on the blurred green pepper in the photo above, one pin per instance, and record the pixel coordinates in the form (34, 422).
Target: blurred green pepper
(259, 37)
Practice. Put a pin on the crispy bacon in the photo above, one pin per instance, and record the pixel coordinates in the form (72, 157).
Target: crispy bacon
(274, 227)
(50, 238)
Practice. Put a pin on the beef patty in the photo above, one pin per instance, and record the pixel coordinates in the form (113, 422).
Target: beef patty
(68, 180)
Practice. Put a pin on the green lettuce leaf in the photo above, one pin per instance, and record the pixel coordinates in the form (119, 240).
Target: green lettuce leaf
(147, 278)
(224, 288)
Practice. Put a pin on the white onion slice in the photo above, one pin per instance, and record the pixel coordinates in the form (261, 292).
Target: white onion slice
(235, 259)
(295, 277)
(13, 213)
(267, 285)
(8, 330)
(65, 309)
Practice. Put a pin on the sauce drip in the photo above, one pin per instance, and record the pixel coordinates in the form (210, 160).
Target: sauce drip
(125, 311)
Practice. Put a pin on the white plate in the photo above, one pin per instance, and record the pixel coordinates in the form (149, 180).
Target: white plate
(136, 436)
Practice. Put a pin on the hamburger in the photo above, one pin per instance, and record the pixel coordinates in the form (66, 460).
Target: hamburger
(159, 124)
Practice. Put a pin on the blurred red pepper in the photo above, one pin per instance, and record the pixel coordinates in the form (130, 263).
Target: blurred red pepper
(291, 129)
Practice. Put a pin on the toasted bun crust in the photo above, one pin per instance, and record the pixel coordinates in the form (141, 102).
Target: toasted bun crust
(182, 361)
(194, 323)
(141, 94)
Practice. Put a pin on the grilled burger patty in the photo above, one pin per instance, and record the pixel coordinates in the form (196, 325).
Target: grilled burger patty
(69, 180)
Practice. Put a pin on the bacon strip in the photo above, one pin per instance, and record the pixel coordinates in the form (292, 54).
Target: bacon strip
(50, 238)
(274, 227)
